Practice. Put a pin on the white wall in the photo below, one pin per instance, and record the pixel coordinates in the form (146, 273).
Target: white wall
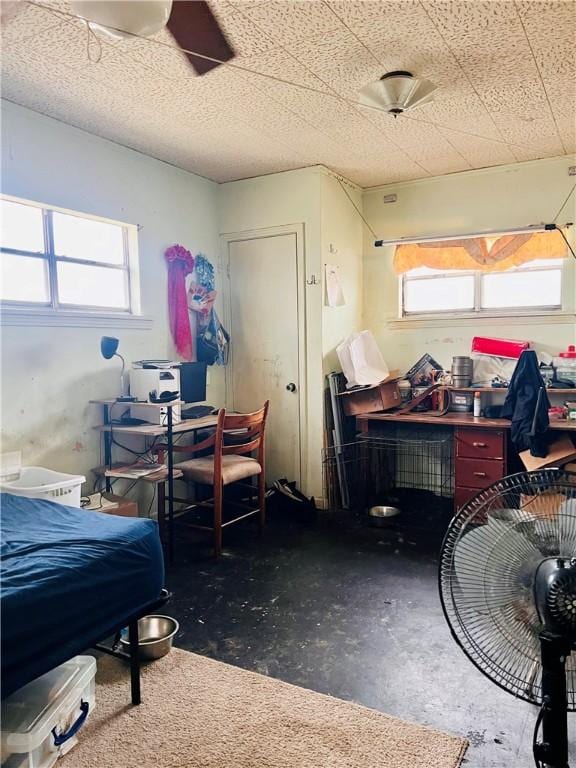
(490, 199)
(314, 198)
(341, 245)
(50, 374)
(293, 197)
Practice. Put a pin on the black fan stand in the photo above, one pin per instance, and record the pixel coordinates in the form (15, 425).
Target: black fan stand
(552, 751)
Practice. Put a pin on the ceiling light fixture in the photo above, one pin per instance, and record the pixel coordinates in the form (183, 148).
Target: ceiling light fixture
(397, 92)
(124, 18)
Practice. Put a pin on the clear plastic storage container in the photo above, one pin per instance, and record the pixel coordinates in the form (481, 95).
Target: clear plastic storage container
(40, 483)
(565, 365)
(41, 721)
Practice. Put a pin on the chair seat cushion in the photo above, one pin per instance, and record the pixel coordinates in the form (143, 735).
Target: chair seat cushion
(234, 468)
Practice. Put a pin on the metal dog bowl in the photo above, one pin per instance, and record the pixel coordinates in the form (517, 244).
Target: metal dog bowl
(381, 515)
(155, 634)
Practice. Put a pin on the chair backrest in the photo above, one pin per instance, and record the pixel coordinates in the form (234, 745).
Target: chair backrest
(241, 433)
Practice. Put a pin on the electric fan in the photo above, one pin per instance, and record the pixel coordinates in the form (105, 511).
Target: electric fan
(507, 582)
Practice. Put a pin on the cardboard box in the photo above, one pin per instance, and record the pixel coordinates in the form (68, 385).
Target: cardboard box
(124, 507)
(560, 452)
(546, 505)
(380, 397)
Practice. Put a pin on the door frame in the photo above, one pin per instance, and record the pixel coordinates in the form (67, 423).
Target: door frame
(255, 234)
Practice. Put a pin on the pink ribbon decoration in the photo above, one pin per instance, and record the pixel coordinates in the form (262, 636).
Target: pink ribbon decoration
(180, 263)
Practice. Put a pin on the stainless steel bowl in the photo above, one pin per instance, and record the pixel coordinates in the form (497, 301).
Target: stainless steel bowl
(382, 515)
(155, 635)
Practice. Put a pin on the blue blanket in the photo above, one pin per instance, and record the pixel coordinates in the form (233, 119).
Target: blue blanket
(69, 577)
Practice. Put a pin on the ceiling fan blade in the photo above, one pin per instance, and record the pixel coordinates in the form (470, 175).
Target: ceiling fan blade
(195, 28)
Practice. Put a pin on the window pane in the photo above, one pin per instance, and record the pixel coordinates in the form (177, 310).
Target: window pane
(81, 238)
(522, 289)
(439, 294)
(92, 286)
(542, 263)
(22, 227)
(426, 271)
(24, 279)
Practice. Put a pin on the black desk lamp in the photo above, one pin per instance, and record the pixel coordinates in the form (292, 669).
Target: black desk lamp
(108, 348)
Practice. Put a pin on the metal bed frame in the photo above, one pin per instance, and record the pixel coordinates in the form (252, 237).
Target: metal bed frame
(133, 657)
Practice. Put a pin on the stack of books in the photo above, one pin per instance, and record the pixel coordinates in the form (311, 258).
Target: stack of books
(134, 471)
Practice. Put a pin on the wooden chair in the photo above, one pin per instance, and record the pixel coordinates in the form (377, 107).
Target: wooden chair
(236, 436)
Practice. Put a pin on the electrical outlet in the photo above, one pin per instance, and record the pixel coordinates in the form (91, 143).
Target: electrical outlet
(572, 170)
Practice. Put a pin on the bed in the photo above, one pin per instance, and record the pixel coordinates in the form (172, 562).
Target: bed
(71, 578)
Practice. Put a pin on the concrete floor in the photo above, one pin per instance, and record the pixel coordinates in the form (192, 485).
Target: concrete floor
(349, 611)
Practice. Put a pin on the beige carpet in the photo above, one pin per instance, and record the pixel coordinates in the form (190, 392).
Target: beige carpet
(200, 713)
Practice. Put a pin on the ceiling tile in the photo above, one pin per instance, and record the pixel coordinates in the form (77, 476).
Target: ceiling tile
(290, 21)
(374, 13)
(243, 36)
(336, 58)
(549, 27)
(463, 20)
(29, 21)
(490, 43)
(505, 71)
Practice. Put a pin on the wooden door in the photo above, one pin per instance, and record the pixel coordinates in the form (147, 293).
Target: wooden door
(264, 357)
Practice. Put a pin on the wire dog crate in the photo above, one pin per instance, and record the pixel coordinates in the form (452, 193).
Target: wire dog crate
(375, 466)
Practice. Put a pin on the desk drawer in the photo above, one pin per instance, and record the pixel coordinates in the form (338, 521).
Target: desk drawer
(463, 495)
(478, 473)
(480, 443)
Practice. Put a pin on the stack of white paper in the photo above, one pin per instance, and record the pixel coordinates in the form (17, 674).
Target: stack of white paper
(361, 360)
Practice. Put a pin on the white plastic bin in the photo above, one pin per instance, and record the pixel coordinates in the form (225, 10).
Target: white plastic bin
(40, 483)
(41, 721)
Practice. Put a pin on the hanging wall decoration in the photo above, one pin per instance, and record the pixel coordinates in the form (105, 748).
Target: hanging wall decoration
(180, 264)
(210, 336)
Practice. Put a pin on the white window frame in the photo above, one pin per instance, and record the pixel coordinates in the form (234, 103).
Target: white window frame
(564, 309)
(53, 313)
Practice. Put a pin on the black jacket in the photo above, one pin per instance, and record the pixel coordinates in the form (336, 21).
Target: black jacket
(527, 405)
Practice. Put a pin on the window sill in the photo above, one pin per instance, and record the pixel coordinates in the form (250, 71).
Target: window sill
(73, 319)
(467, 319)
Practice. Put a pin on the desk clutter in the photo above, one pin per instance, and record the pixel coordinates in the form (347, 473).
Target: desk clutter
(159, 382)
(495, 366)
(110, 504)
(499, 408)
(219, 455)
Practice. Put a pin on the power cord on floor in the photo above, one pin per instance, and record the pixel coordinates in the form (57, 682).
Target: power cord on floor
(537, 762)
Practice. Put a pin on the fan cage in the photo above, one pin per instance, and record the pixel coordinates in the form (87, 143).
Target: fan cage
(485, 575)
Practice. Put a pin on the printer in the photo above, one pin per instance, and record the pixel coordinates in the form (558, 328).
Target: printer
(144, 378)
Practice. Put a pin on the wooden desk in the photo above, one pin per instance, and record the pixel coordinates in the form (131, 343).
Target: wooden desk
(481, 448)
(452, 419)
(152, 430)
(157, 430)
(147, 431)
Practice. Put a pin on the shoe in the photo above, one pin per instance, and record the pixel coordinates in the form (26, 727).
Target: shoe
(282, 487)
